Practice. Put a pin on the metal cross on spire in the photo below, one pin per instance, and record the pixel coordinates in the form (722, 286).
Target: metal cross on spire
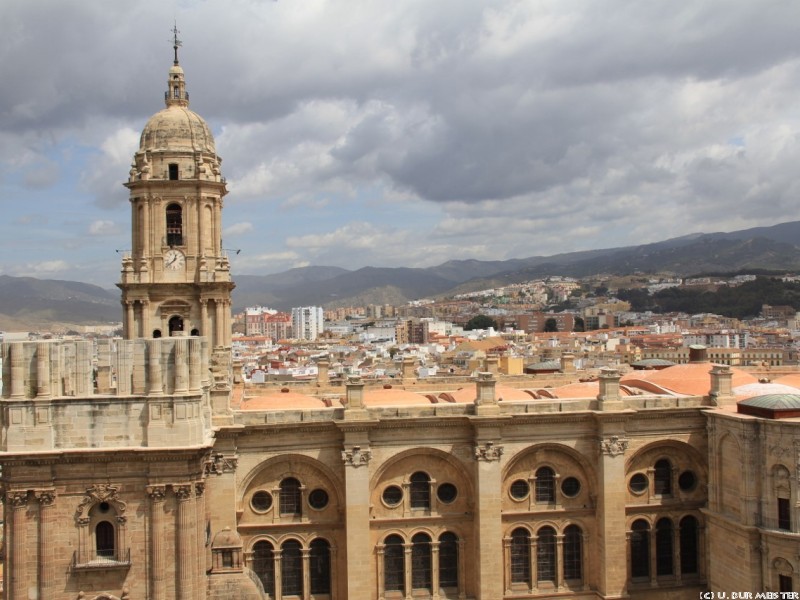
(176, 43)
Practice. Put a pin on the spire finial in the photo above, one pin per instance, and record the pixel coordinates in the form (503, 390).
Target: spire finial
(176, 43)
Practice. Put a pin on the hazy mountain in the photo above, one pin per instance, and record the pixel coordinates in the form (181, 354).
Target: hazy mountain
(26, 302)
(25, 299)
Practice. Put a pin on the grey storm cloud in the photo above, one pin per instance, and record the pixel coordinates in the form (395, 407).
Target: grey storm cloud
(658, 117)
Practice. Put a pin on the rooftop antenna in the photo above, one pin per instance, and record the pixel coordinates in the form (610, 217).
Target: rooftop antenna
(176, 43)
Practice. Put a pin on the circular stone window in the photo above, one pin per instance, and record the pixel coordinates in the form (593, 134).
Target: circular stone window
(261, 501)
(392, 495)
(104, 507)
(570, 487)
(446, 493)
(520, 489)
(687, 481)
(638, 483)
(318, 499)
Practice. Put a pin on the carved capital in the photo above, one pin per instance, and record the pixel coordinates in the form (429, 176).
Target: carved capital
(355, 457)
(182, 491)
(17, 498)
(199, 488)
(157, 493)
(613, 445)
(45, 497)
(488, 452)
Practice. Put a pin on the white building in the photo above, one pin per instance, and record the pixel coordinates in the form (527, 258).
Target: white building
(307, 322)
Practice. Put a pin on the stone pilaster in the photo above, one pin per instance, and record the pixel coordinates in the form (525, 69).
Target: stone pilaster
(184, 546)
(157, 495)
(356, 456)
(17, 502)
(611, 529)
(488, 558)
(47, 547)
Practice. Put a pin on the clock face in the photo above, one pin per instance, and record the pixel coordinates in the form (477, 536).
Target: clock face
(174, 260)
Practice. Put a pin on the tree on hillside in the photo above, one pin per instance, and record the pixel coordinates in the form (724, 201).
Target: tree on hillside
(550, 325)
(580, 324)
(480, 322)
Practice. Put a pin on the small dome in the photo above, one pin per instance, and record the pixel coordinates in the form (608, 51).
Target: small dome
(226, 539)
(176, 128)
(774, 401)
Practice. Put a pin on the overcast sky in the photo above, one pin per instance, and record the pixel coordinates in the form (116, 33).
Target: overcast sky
(403, 133)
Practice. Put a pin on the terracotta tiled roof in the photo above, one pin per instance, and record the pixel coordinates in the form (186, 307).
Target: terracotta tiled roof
(691, 379)
(393, 397)
(278, 400)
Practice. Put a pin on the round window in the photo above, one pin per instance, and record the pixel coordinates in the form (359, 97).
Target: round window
(446, 492)
(638, 483)
(104, 507)
(392, 495)
(687, 481)
(570, 487)
(318, 499)
(520, 489)
(261, 501)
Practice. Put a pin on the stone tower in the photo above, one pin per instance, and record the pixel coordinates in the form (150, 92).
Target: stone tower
(176, 279)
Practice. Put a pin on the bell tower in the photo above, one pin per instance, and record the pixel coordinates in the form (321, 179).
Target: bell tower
(176, 278)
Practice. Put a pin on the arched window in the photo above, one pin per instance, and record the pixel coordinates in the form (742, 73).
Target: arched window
(689, 543)
(291, 568)
(104, 540)
(264, 565)
(520, 556)
(573, 552)
(291, 497)
(545, 485)
(175, 324)
(448, 559)
(320, 566)
(394, 566)
(420, 490)
(421, 567)
(640, 549)
(664, 547)
(546, 554)
(662, 478)
(174, 225)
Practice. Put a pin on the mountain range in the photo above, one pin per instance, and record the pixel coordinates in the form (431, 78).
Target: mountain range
(26, 302)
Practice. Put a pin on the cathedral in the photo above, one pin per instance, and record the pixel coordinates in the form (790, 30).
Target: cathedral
(143, 467)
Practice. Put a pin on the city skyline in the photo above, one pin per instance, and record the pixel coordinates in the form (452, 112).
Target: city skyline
(402, 135)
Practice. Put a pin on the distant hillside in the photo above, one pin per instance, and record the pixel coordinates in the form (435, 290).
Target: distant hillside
(28, 300)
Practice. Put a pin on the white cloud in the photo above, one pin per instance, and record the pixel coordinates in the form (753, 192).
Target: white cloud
(103, 227)
(237, 228)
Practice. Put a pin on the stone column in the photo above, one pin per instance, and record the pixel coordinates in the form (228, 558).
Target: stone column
(145, 307)
(219, 313)
(181, 365)
(200, 536)
(204, 324)
(435, 569)
(408, 583)
(46, 553)
(17, 352)
(486, 399)
(609, 398)
(155, 384)
(489, 543)
(43, 370)
(195, 376)
(18, 575)
(130, 331)
(611, 530)
(306, 554)
(157, 495)
(184, 547)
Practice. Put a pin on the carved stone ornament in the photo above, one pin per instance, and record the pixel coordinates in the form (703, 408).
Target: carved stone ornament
(614, 445)
(488, 452)
(355, 457)
(45, 497)
(182, 491)
(97, 494)
(218, 464)
(157, 493)
(17, 498)
(199, 488)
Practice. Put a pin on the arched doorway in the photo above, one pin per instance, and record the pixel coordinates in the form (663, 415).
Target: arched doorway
(175, 324)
